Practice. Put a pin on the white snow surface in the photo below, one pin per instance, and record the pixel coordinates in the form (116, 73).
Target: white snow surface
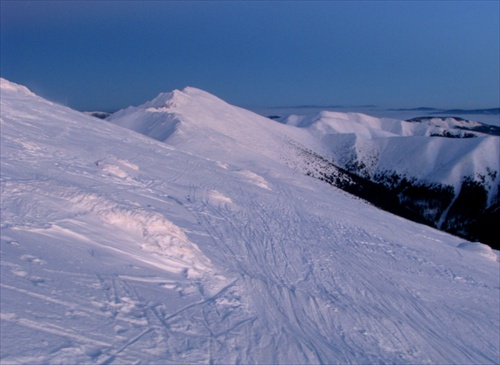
(200, 123)
(117, 248)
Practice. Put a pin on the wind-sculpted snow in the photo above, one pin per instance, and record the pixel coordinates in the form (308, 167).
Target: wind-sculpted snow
(117, 248)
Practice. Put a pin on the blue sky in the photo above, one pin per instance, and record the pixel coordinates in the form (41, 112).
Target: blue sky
(97, 55)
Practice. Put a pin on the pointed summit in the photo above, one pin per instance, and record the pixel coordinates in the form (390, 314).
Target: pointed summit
(180, 97)
(199, 122)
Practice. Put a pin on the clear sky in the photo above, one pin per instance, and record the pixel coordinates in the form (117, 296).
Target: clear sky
(98, 55)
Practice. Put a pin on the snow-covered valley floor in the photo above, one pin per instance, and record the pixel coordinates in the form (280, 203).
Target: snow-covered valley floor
(119, 249)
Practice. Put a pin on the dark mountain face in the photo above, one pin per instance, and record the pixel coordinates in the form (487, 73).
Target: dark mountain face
(465, 214)
(99, 115)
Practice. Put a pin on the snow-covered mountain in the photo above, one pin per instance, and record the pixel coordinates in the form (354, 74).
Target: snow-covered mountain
(198, 122)
(117, 248)
(450, 183)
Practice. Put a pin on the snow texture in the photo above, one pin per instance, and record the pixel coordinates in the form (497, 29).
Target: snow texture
(118, 248)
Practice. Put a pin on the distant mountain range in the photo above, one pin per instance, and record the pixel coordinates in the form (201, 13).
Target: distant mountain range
(313, 106)
(488, 111)
(450, 183)
(491, 111)
(489, 116)
(449, 112)
(460, 124)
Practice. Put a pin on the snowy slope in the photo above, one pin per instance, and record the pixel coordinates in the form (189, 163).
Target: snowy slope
(198, 122)
(116, 248)
(443, 172)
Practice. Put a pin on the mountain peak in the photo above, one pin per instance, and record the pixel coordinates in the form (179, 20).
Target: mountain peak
(181, 97)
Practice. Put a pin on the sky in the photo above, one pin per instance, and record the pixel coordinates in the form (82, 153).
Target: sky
(107, 55)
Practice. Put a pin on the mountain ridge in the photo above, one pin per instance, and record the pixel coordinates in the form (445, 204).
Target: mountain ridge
(420, 175)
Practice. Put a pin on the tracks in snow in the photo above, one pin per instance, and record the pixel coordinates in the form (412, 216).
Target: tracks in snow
(307, 272)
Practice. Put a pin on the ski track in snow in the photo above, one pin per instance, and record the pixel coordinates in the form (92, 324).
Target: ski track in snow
(326, 281)
(134, 252)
